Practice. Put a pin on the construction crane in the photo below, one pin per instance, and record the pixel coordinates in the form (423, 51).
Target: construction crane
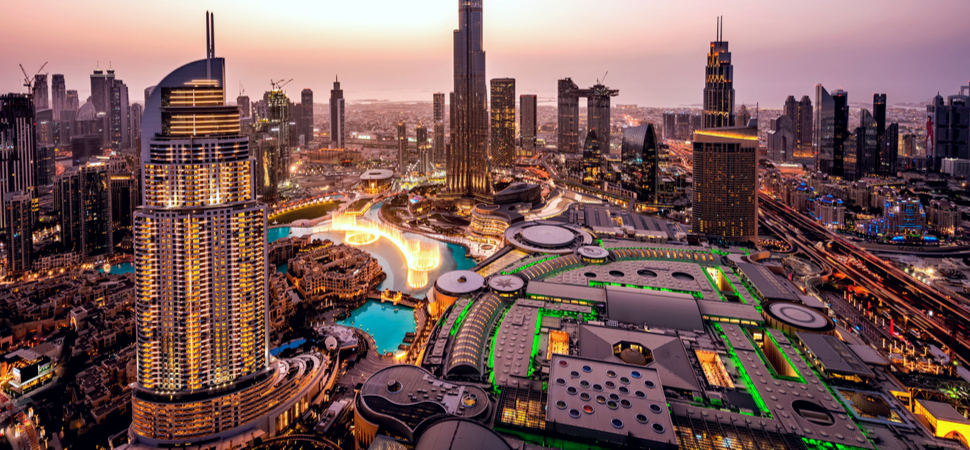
(604, 78)
(242, 89)
(28, 81)
(278, 85)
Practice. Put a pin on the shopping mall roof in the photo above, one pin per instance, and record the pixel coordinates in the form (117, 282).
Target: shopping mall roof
(655, 309)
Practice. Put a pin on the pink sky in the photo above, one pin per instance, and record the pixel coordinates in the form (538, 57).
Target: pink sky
(654, 50)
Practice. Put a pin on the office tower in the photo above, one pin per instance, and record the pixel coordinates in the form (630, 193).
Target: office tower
(44, 123)
(204, 373)
(46, 166)
(567, 131)
(597, 110)
(124, 199)
(831, 130)
(118, 116)
(338, 125)
(640, 159)
(297, 138)
(743, 115)
(879, 115)
(781, 139)
(101, 83)
(948, 129)
(867, 151)
(17, 146)
(438, 150)
(134, 126)
(467, 164)
(403, 159)
(306, 125)
(725, 199)
(528, 123)
(58, 95)
(719, 85)
(802, 125)
(503, 122)
(278, 125)
(242, 102)
(425, 163)
(41, 92)
(908, 144)
(19, 218)
(592, 160)
(889, 149)
(71, 101)
(669, 125)
(82, 196)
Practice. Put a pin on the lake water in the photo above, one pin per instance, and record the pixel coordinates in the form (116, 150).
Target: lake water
(385, 322)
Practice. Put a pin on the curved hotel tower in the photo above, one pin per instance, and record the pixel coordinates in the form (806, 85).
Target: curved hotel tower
(204, 373)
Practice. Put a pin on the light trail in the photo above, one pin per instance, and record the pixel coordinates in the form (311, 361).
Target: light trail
(421, 254)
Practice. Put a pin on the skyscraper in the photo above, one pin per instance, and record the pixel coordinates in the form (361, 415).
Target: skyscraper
(338, 126)
(306, 128)
(831, 130)
(403, 159)
(438, 150)
(592, 160)
(118, 116)
(242, 102)
(889, 149)
(948, 129)
(134, 127)
(640, 159)
(423, 150)
(719, 85)
(58, 95)
(17, 146)
(503, 122)
(19, 219)
(71, 101)
(597, 110)
(204, 372)
(467, 164)
(82, 196)
(725, 199)
(101, 83)
(528, 123)
(278, 125)
(800, 113)
(781, 139)
(41, 92)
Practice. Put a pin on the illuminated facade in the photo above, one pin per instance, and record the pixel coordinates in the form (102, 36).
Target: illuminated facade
(467, 167)
(719, 86)
(204, 371)
(17, 146)
(831, 130)
(641, 162)
(592, 160)
(726, 183)
(503, 122)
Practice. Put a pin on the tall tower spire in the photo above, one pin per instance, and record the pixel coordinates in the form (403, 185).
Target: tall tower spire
(719, 84)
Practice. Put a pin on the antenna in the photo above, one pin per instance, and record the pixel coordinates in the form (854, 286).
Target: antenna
(208, 34)
(212, 18)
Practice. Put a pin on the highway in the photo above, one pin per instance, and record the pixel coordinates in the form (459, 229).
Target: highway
(908, 297)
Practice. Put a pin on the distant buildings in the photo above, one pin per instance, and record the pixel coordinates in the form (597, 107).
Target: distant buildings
(41, 92)
(597, 110)
(118, 116)
(277, 159)
(948, 129)
(592, 160)
(830, 212)
(831, 130)
(528, 124)
(101, 83)
(719, 86)
(19, 220)
(245, 109)
(725, 203)
(424, 150)
(800, 113)
(467, 170)
(338, 124)
(503, 122)
(639, 157)
(905, 215)
(17, 147)
(306, 125)
(944, 217)
(680, 125)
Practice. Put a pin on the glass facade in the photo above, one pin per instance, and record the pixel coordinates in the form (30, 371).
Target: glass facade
(640, 159)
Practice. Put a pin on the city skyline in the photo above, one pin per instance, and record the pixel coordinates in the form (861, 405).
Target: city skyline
(650, 59)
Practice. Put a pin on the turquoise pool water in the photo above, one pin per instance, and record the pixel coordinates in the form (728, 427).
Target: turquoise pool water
(292, 344)
(118, 269)
(282, 268)
(385, 322)
(275, 234)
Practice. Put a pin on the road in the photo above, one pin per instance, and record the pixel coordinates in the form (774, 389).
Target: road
(932, 312)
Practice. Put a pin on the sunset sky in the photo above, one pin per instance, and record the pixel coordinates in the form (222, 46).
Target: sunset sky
(402, 50)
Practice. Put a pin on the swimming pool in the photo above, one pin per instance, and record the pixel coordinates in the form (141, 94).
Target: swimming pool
(118, 269)
(384, 321)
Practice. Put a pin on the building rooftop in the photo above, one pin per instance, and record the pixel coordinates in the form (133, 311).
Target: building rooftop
(833, 355)
(655, 309)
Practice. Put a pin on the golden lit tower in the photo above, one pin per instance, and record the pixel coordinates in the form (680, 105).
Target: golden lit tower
(725, 199)
(204, 370)
(719, 85)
